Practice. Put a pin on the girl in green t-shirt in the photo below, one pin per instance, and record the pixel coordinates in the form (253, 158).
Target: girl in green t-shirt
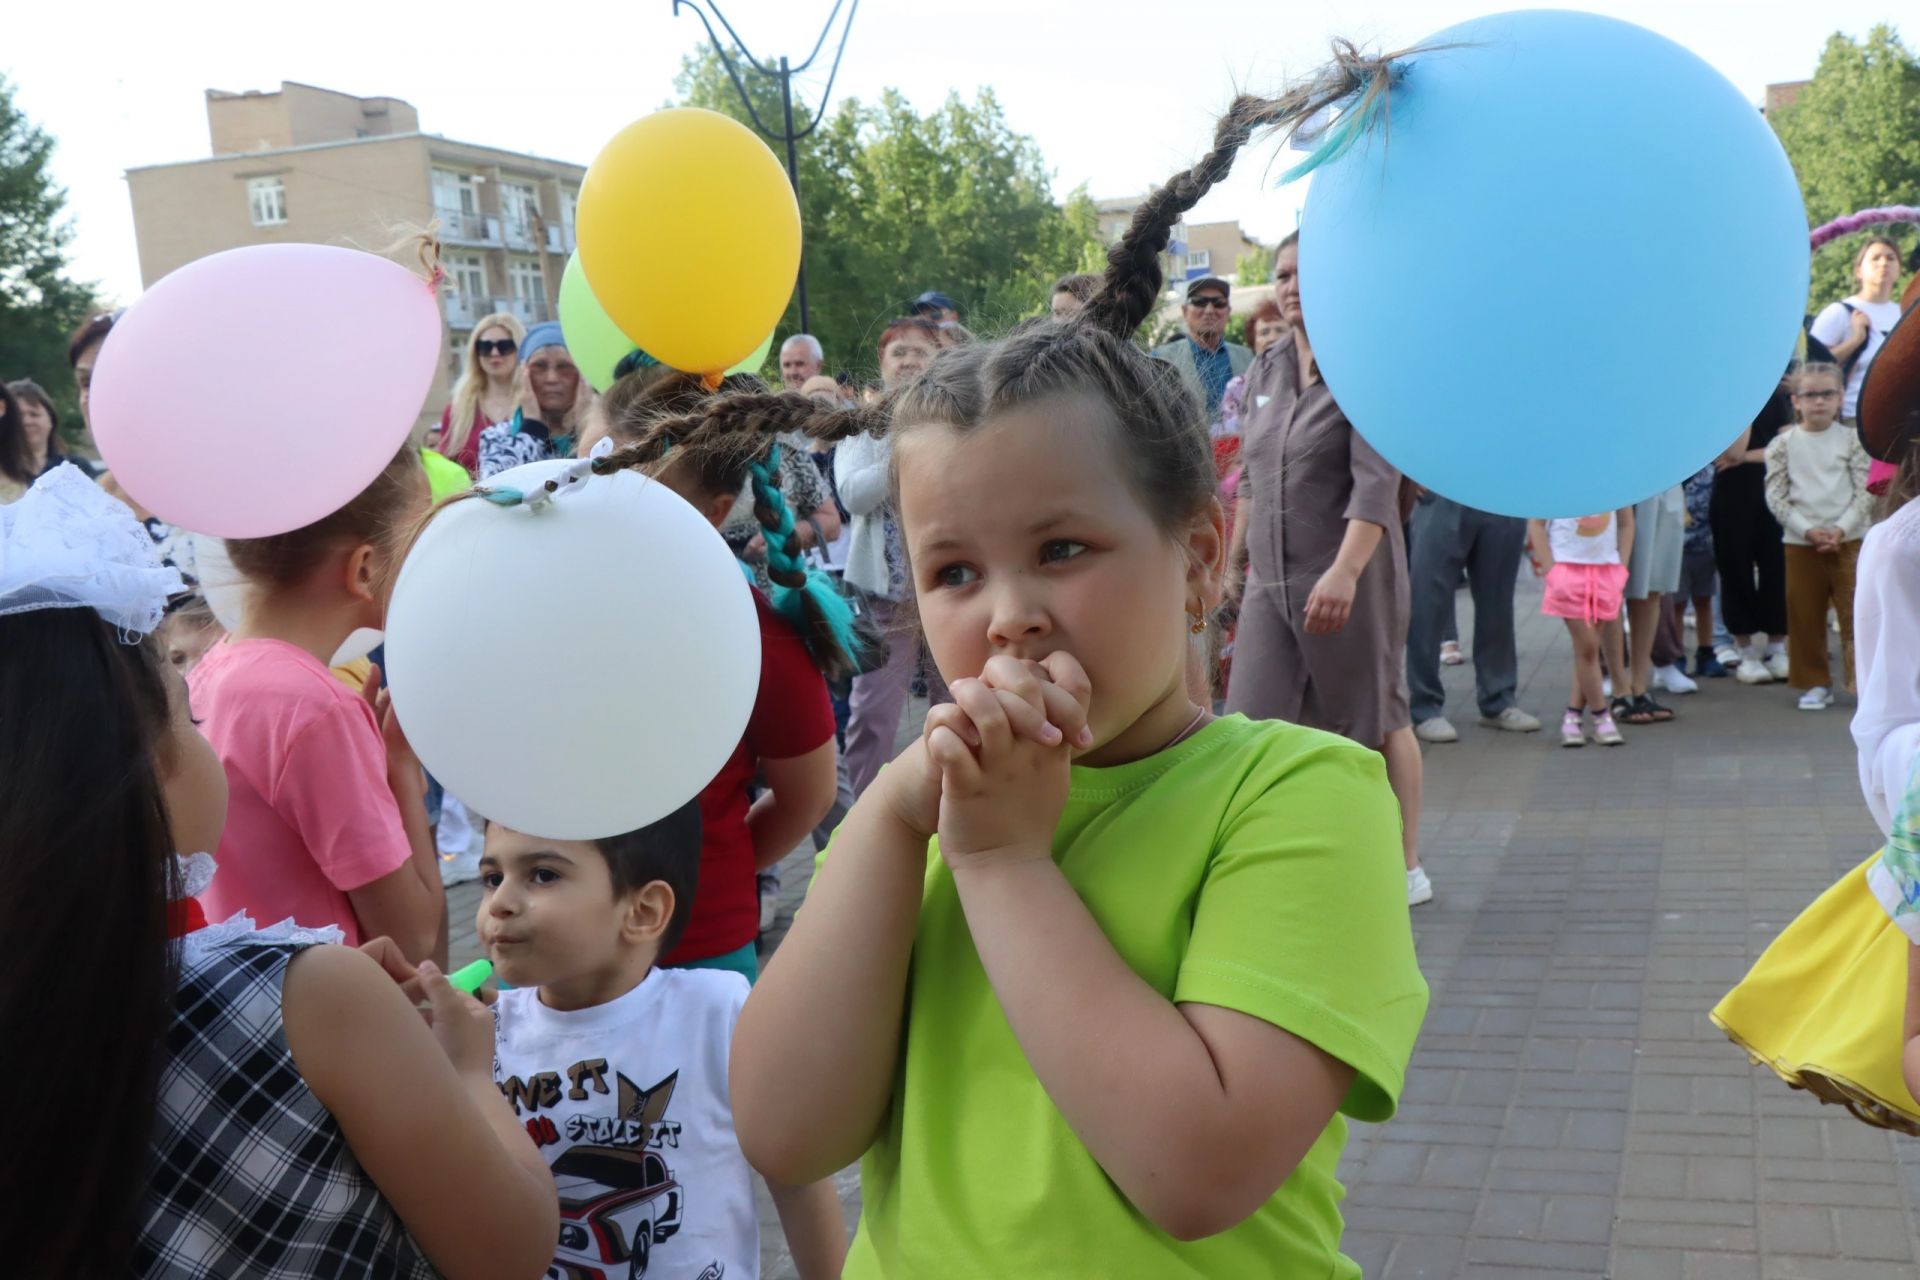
(1089, 978)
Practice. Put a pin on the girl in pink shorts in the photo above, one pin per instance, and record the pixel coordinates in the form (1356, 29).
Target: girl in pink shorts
(1585, 563)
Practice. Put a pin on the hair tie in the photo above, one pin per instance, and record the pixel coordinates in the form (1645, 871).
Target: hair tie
(572, 476)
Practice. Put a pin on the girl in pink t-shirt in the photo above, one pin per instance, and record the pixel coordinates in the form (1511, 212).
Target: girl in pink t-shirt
(327, 823)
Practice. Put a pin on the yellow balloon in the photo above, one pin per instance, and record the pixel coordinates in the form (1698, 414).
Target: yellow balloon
(690, 237)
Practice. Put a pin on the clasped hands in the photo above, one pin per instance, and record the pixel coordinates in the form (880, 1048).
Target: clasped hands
(990, 772)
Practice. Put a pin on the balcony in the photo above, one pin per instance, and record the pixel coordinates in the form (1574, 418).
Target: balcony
(529, 311)
(520, 234)
(460, 310)
(559, 239)
(467, 228)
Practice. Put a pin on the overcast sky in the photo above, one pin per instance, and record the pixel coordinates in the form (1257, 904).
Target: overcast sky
(1119, 93)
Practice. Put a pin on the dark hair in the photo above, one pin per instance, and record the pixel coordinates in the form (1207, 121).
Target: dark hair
(87, 854)
(660, 417)
(376, 515)
(27, 389)
(668, 851)
(1082, 285)
(92, 332)
(13, 439)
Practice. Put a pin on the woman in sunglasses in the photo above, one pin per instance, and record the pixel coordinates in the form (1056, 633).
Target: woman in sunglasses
(489, 388)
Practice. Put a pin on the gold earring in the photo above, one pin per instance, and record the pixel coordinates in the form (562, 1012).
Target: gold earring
(1199, 623)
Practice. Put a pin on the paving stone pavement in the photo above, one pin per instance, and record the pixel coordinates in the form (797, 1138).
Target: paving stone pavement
(1570, 1110)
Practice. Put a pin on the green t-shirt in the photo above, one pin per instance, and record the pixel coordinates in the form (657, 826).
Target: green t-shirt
(1255, 866)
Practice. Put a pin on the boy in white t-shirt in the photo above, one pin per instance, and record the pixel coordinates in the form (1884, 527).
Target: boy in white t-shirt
(619, 1068)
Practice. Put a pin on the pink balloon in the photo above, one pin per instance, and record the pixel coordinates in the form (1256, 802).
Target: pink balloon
(260, 389)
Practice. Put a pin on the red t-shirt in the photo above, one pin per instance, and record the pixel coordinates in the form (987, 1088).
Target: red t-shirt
(792, 715)
(469, 455)
(310, 815)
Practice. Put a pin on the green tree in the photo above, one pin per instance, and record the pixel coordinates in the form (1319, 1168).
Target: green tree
(893, 203)
(1255, 266)
(40, 305)
(1853, 135)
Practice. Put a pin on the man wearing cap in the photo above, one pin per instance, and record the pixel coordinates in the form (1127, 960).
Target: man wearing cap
(551, 409)
(1204, 357)
(937, 307)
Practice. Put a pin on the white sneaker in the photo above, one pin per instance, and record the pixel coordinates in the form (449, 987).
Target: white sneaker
(1728, 656)
(1750, 671)
(1818, 698)
(1512, 720)
(1438, 729)
(1450, 655)
(1777, 664)
(1419, 888)
(1673, 680)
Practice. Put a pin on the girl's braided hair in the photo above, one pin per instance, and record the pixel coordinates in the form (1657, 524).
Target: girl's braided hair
(661, 417)
(726, 436)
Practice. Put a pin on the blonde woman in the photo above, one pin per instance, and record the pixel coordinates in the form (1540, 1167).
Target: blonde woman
(489, 388)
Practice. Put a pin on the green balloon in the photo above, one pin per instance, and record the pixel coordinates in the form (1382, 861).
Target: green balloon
(595, 341)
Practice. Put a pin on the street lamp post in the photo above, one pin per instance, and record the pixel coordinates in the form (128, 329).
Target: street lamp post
(784, 74)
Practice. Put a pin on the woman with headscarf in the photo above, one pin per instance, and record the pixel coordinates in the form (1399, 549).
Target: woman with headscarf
(553, 407)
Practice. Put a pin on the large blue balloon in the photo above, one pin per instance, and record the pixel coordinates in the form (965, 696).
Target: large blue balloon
(1563, 274)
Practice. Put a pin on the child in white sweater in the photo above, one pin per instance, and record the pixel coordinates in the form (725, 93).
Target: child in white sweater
(1817, 490)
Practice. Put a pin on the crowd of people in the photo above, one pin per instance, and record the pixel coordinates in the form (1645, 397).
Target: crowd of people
(1180, 631)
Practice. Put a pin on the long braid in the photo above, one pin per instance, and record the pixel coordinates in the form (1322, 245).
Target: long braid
(1130, 290)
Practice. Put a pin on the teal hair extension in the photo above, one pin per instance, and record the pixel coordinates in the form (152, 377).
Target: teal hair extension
(816, 598)
(1355, 121)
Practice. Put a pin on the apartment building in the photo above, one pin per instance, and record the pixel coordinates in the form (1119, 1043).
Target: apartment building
(1196, 249)
(307, 164)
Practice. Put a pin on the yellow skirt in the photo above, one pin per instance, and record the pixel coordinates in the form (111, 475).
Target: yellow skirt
(1824, 1006)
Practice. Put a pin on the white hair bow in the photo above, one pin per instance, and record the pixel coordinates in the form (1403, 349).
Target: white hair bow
(68, 545)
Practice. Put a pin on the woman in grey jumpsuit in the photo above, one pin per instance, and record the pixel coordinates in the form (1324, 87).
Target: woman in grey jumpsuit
(1323, 615)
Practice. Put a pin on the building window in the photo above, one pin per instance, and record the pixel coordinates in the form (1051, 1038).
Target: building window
(527, 283)
(267, 200)
(520, 207)
(1199, 262)
(456, 193)
(469, 275)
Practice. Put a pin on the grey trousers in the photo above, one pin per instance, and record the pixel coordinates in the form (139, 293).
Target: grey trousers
(1446, 538)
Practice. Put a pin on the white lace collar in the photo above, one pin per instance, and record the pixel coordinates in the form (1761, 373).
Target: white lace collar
(196, 873)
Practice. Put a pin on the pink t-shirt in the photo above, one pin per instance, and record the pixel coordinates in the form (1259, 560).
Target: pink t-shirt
(310, 815)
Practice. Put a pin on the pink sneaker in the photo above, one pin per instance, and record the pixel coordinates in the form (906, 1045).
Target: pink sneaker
(1571, 733)
(1604, 731)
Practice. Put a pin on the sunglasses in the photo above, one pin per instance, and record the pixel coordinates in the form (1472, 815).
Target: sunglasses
(492, 347)
(1208, 300)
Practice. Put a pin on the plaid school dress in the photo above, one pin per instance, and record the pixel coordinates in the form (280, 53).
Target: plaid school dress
(251, 1176)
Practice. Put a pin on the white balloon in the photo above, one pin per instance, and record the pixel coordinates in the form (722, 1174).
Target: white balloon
(578, 670)
(225, 590)
(221, 585)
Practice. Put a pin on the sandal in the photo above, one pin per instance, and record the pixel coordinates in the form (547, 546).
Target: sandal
(1627, 711)
(1644, 705)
